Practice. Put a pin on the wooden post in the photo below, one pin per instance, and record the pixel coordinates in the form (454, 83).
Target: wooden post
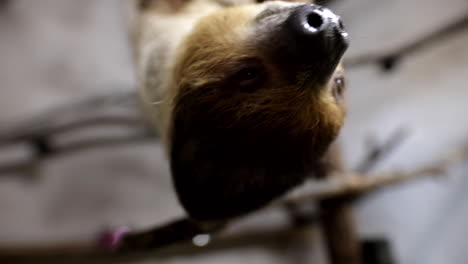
(339, 231)
(336, 215)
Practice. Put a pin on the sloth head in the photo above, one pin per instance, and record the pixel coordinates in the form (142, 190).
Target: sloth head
(256, 99)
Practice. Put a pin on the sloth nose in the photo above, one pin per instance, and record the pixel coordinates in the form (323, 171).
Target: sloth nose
(319, 27)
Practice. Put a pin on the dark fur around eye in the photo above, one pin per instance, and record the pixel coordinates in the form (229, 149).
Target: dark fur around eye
(249, 77)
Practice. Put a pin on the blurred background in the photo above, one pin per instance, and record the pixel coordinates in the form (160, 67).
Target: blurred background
(53, 52)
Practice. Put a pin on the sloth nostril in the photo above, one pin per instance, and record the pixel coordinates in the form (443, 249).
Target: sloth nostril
(315, 20)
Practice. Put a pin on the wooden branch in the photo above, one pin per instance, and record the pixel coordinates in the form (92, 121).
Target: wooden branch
(108, 108)
(86, 252)
(336, 214)
(388, 59)
(337, 219)
(339, 229)
(104, 142)
(28, 167)
(377, 152)
(351, 184)
(166, 235)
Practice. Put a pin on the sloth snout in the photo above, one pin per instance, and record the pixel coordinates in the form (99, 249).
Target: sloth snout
(320, 27)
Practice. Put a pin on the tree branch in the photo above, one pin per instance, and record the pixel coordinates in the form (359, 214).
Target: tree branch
(388, 59)
(86, 252)
(378, 152)
(107, 109)
(114, 107)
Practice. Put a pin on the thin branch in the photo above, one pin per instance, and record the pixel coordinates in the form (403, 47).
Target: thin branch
(388, 59)
(351, 184)
(378, 152)
(111, 108)
(104, 142)
(31, 165)
(27, 167)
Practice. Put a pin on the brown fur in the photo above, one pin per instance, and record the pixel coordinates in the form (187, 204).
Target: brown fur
(218, 40)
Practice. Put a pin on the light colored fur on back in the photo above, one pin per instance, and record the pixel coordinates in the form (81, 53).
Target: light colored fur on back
(159, 34)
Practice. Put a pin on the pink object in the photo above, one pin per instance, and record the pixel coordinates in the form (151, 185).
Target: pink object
(112, 240)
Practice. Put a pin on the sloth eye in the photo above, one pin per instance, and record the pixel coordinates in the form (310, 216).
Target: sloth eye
(250, 77)
(339, 86)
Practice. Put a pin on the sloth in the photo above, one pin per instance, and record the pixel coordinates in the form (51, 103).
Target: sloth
(247, 96)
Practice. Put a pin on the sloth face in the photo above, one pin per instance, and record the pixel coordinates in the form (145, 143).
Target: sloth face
(257, 97)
